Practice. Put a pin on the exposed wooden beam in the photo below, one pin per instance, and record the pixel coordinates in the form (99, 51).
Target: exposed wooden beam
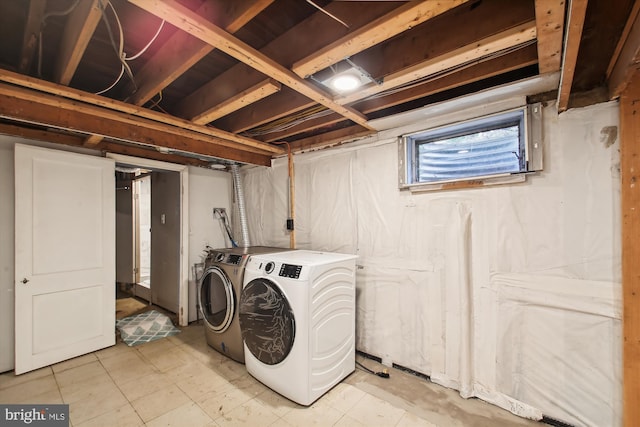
(550, 23)
(305, 126)
(416, 46)
(92, 140)
(330, 139)
(575, 16)
(383, 28)
(189, 21)
(426, 41)
(302, 40)
(277, 106)
(78, 30)
(182, 50)
(125, 120)
(248, 96)
(31, 34)
(110, 104)
(40, 135)
(478, 71)
(153, 154)
(16, 105)
(626, 58)
(105, 146)
(482, 70)
(468, 54)
(630, 194)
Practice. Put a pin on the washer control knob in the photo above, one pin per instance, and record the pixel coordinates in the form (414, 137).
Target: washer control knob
(219, 257)
(269, 267)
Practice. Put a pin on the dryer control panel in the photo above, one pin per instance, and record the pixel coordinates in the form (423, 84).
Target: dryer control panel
(290, 270)
(234, 259)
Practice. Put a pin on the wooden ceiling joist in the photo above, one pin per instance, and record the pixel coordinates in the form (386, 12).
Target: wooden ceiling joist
(626, 58)
(550, 24)
(503, 64)
(188, 21)
(182, 50)
(136, 111)
(80, 26)
(302, 40)
(275, 107)
(383, 28)
(27, 106)
(516, 60)
(383, 59)
(576, 13)
(502, 41)
(248, 96)
(329, 139)
(31, 34)
(104, 146)
(125, 120)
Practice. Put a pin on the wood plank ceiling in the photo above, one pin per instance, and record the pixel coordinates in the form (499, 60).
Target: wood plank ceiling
(197, 82)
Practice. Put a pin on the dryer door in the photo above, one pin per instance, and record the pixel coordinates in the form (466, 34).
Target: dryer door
(266, 321)
(216, 299)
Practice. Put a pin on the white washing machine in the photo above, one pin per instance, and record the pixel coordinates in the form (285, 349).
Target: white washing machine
(297, 318)
(218, 294)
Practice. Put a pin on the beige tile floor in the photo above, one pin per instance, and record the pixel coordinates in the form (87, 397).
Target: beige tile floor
(180, 381)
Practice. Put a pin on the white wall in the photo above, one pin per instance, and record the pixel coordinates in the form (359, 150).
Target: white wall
(208, 189)
(508, 293)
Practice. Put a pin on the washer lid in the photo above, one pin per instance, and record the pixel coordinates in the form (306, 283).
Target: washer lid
(266, 321)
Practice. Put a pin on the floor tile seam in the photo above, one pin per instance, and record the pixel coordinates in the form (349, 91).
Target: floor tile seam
(76, 366)
(83, 381)
(97, 415)
(124, 394)
(341, 417)
(364, 393)
(199, 404)
(149, 361)
(69, 402)
(113, 410)
(39, 393)
(175, 409)
(27, 381)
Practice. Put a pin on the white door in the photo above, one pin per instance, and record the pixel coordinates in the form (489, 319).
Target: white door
(65, 256)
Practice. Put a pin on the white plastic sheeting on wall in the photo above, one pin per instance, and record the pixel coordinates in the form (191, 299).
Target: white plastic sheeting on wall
(508, 293)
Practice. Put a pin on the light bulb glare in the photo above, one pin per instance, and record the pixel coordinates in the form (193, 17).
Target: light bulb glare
(345, 82)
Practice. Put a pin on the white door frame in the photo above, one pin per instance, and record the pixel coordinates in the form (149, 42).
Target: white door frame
(183, 292)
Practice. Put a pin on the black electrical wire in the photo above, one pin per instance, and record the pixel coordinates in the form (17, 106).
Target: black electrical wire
(383, 374)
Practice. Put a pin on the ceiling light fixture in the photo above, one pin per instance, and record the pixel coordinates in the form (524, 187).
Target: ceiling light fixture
(346, 81)
(343, 77)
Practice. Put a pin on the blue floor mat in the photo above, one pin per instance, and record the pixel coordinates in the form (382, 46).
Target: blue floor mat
(145, 327)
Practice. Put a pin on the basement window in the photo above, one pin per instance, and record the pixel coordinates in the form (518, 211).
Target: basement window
(496, 149)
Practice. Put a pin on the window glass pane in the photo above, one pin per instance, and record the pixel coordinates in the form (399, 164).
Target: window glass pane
(488, 151)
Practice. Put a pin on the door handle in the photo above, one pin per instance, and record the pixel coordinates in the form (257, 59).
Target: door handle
(25, 281)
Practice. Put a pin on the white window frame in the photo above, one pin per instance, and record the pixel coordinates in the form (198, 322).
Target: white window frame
(531, 132)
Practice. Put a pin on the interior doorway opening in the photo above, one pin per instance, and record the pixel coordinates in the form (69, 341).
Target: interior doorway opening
(151, 230)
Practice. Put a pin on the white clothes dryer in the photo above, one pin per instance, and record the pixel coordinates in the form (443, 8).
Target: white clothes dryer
(297, 319)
